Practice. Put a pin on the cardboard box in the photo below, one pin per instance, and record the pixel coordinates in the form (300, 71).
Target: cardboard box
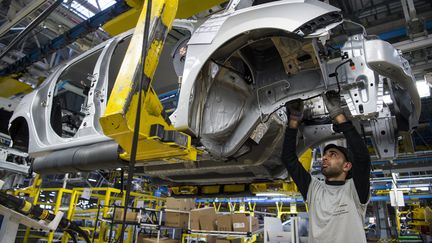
(224, 222)
(142, 239)
(222, 241)
(241, 223)
(211, 239)
(179, 220)
(255, 224)
(130, 216)
(203, 219)
(181, 204)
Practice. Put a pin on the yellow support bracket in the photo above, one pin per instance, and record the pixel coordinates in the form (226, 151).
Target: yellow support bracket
(158, 139)
(184, 190)
(217, 206)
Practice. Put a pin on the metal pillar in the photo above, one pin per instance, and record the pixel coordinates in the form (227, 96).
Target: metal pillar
(382, 222)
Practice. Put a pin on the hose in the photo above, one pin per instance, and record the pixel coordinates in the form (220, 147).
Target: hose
(30, 210)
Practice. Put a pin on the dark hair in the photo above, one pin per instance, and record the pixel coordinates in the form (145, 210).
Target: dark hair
(347, 153)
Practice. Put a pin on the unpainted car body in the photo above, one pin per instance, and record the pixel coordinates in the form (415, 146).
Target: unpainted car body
(240, 68)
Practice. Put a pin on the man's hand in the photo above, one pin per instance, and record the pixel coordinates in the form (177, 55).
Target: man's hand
(295, 111)
(333, 104)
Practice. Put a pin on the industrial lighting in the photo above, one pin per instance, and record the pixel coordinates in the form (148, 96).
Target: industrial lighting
(424, 188)
(92, 180)
(269, 194)
(423, 88)
(387, 99)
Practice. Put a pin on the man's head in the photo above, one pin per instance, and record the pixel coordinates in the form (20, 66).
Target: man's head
(336, 162)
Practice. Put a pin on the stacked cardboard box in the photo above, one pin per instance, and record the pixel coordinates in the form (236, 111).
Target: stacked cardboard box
(222, 241)
(130, 216)
(178, 219)
(203, 219)
(142, 239)
(236, 222)
(224, 222)
(181, 204)
(242, 223)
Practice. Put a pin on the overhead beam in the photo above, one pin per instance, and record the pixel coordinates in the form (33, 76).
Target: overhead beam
(67, 38)
(20, 16)
(30, 27)
(414, 44)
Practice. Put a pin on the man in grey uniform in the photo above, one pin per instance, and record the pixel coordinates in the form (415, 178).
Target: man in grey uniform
(337, 206)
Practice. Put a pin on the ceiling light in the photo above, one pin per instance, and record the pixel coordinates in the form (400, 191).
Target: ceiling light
(387, 99)
(423, 88)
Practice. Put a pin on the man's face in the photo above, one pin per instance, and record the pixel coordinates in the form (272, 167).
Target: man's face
(333, 163)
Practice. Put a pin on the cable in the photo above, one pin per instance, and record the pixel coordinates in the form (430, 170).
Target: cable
(335, 74)
(269, 115)
(72, 235)
(355, 23)
(26, 208)
(139, 75)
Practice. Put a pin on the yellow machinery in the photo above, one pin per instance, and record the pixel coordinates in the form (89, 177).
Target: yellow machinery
(278, 187)
(67, 200)
(419, 219)
(157, 137)
(128, 20)
(11, 86)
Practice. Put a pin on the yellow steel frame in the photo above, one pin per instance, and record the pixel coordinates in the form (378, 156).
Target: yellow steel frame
(418, 215)
(280, 211)
(36, 191)
(105, 196)
(184, 190)
(118, 121)
(282, 187)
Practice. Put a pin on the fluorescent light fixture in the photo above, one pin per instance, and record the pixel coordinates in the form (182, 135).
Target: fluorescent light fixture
(41, 195)
(423, 88)
(92, 180)
(269, 194)
(102, 3)
(423, 188)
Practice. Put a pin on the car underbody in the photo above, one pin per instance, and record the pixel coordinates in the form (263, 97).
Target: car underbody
(238, 73)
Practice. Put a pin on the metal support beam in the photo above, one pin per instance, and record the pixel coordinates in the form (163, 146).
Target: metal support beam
(21, 15)
(30, 27)
(383, 227)
(414, 44)
(12, 167)
(68, 37)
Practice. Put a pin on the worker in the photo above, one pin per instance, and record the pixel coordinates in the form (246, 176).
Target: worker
(337, 206)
